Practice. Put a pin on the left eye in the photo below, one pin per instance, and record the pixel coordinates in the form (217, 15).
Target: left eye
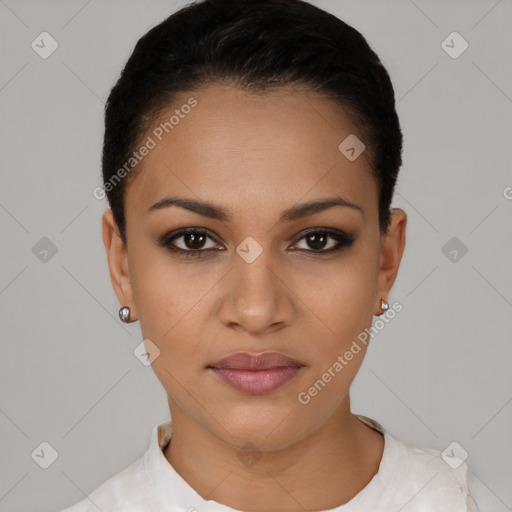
(317, 240)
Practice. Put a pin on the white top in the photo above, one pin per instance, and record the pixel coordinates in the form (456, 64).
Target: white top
(411, 478)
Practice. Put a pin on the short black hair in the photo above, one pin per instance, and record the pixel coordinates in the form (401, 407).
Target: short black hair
(256, 45)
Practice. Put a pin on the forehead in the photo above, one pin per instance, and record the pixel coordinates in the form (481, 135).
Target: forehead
(257, 150)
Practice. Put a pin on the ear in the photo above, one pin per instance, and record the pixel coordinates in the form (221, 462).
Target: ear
(117, 257)
(392, 248)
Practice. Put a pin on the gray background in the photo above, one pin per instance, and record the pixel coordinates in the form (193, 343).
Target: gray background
(439, 372)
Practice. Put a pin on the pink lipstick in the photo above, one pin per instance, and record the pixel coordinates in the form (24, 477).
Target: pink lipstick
(256, 374)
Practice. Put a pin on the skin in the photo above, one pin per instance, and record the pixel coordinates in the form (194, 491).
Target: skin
(257, 155)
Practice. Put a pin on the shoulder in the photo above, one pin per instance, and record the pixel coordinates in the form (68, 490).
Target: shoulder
(131, 488)
(427, 478)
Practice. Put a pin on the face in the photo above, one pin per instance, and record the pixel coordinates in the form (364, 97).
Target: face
(262, 274)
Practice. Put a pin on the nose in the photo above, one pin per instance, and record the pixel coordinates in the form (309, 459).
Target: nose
(257, 299)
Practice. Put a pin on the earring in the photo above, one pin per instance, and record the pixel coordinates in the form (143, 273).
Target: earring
(384, 305)
(124, 314)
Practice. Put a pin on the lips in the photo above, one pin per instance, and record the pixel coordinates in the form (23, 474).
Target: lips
(262, 361)
(256, 374)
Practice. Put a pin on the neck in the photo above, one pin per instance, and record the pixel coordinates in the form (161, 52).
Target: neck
(321, 471)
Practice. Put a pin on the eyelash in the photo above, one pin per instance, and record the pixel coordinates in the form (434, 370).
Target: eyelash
(166, 241)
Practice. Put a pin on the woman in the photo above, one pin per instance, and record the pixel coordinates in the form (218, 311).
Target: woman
(250, 156)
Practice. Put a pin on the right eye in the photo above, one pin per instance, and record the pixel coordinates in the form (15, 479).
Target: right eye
(191, 242)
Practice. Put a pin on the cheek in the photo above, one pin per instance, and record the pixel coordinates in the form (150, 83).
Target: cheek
(162, 293)
(171, 306)
(339, 299)
(341, 312)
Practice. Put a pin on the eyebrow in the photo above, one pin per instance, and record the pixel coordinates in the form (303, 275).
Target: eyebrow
(213, 211)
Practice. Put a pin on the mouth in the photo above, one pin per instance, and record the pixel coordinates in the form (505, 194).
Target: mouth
(256, 374)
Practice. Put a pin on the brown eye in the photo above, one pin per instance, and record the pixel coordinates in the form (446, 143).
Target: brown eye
(317, 241)
(190, 242)
(323, 241)
(194, 240)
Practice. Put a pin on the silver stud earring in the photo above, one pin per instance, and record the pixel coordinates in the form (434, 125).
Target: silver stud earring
(124, 314)
(384, 305)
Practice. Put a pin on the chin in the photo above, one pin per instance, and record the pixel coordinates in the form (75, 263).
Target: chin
(268, 427)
